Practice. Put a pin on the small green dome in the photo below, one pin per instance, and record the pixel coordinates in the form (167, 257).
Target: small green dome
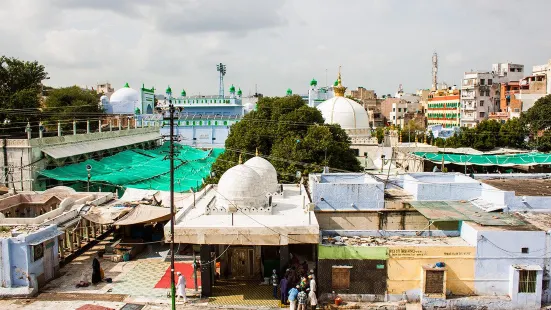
(313, 82)
(232, 89)
(336, 83)
(137, 111)
(126, 85)
(169, 90)
(183, 93)
(239, 92)
(289, 92)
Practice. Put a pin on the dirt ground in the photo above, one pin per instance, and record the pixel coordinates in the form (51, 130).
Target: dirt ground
(522, 187)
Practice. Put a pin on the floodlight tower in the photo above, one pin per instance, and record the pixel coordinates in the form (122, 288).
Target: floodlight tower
(222, 69)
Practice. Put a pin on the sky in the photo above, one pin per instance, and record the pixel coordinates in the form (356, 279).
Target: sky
(272, 45)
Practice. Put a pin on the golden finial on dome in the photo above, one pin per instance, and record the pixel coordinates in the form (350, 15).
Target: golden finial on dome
(256, 152)
(338, 89)
(240, 160)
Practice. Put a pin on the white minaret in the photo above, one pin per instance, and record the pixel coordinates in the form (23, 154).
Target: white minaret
(313, 93)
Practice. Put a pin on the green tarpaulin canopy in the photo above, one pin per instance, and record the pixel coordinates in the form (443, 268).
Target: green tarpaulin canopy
(143, 169)
(526, 159)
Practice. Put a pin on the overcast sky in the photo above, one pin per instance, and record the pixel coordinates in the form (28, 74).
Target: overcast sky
(273, 44)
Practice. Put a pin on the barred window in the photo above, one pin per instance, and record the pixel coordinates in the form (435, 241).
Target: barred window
(527, 281)
(340, 278)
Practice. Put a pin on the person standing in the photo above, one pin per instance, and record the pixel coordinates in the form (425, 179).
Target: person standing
(312, 293)
(302, 300)
(96, 271)
(283, 289)
(181, 287)
(275, 282)
(293, 292)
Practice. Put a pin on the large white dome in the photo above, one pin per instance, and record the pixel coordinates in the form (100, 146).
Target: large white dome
(345, 112)
(125, 95)
(239, 188)
(266, 171)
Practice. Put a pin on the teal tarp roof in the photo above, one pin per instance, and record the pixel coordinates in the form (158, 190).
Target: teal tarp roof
(526, 159)
(143, 169)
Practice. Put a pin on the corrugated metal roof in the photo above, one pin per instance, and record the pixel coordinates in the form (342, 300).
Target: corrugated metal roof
(73, 149)
(446, 211)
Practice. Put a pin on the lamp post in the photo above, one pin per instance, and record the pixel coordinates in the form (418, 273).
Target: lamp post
(88, 170)
(222, 69)
(171, 155)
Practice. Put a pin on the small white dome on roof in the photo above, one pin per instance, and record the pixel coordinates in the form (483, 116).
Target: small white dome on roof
(345, 112)
(266, 171)
(239, 188)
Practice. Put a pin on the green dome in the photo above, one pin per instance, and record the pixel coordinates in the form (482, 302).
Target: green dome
(336, 83)
(232, 89)
(126, 85)
(239, 92)
(137, 111)
(183, 93)
(289, 92)
(169, 90)
(313, 82)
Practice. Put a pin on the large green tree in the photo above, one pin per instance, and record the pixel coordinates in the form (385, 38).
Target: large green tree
(292, 136)
(72, 103)
(20, 91)
(538, 123)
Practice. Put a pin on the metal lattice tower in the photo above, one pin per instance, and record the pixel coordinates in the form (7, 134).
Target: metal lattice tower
(222, 69)
(434, 71)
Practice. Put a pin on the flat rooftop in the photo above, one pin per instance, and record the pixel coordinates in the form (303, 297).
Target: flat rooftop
(288, 222)
(522, 187)
(393, 241)
(538, 219)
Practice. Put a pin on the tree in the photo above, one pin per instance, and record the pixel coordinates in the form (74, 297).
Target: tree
(291, 135)
(20, 90)
(513, 134)
(537, 124)
(72, 103)
(380, 134)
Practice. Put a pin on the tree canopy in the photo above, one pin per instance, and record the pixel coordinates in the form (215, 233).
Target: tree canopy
(20, 91)
(72, 103)
(292, 136)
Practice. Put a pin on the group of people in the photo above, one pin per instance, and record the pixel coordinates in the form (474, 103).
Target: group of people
(297, 288)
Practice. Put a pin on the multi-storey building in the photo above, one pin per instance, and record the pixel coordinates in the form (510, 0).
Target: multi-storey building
(367, 97)
(443, 108)
(481, 93)
(535, 86)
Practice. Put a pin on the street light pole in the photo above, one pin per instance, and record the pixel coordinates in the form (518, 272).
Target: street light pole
(171, 152)
(89, 170)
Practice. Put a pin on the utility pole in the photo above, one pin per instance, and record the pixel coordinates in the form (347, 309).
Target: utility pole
(171, 155)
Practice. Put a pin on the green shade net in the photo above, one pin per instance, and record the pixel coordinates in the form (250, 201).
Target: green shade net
(525, 159)
(143, 169)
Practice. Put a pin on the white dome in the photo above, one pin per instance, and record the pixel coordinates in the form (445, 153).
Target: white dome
(125, 95)
(238, 188)
(266, 171)
(345, 112)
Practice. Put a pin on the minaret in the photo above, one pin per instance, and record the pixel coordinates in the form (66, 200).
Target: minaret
(183, 93)
(289, 92)
(313, 93)
(338, 89)
(232, 91)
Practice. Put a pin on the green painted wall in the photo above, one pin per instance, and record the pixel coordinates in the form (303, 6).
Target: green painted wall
(352, 252)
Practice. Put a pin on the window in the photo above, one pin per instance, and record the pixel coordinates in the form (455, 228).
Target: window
(490, 81)
(340, 278)
(481, 103)
(527, 281)
(524, 250)
(393, 109)
(38, 251)
(488, 93)
(482, 82)
(399, 109)
(482, 114)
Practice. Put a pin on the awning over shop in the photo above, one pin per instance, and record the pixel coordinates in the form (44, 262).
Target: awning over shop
(452, 211)
(74, 149)
(527, 159)
(144, 214)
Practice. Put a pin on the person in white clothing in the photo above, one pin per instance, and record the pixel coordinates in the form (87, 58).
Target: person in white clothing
(312, 293)
(181, 287)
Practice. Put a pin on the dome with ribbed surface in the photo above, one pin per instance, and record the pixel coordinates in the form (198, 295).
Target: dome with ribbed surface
(239, 188)
(266, 171)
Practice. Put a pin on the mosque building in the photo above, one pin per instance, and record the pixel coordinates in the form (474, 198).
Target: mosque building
(250, 223)
(129, 101)
(351, 116)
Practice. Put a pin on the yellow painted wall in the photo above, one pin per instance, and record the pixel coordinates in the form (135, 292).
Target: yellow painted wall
(405, 267)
